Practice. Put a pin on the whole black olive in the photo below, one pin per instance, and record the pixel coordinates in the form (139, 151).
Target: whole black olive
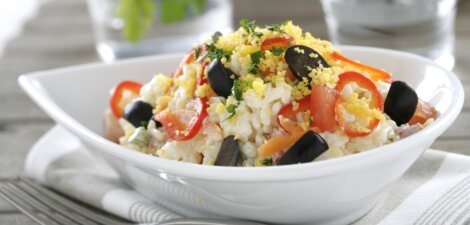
(220, 78)
(401, 102)
(302, 59)
(228, 153)
(306, 149)
(138, 112)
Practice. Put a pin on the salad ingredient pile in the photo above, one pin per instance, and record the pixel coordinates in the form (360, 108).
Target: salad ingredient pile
(264, 96)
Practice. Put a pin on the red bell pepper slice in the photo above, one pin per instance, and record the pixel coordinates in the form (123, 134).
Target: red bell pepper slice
(184, 124)
(189, 58)
(276, 42)
(121, 91)
(374, 73)
(322, 107)
(288, 121)
(375, 102)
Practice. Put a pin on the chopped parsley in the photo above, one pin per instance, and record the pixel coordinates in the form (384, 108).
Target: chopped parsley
(276, 28)
(255, 59)
(278, 51)
(267, 162)
(216, 53)
(231, 109)
(239, 87)
(249, 27)
(197, 52)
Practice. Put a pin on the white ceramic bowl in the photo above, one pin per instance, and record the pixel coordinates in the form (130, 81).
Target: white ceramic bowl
(335, 191)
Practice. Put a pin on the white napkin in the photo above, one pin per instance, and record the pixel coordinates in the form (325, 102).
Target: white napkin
(59, 161)
(435, 190)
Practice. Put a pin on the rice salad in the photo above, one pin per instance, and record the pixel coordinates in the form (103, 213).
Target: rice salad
(264, 96)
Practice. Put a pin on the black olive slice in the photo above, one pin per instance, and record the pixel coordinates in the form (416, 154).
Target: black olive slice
(228, 153)
(302, 59)
(137, 113)
(306, 149)
(220, 78)
(401, 102)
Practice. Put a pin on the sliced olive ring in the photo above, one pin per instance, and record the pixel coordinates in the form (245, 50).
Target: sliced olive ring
(220, 78)
(302, 60)
(306, 149)
(228, 153)
(401, 102)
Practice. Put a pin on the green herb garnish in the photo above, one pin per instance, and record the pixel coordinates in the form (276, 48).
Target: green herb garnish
(267, 162)
(231, 109)
(239, 87)
(276, 28)
(278, 51)
(249, 27)
(255, 59)
(197, 52)
(216, 53)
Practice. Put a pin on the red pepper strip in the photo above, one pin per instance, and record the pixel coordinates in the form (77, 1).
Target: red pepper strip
(118, 93)
(276, 42)
(184, 124)
(322, 107)
(288, 121)
(374, 73)
(189, 58)
(376, 102)
(202, 79)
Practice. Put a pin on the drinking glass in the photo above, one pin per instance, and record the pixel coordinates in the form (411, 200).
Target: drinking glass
(424, 27)
(179, 36)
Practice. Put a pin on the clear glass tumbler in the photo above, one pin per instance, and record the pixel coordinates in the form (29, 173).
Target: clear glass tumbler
(160, 38)
(424, 27)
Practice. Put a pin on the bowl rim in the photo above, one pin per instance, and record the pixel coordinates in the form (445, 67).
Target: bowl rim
(30, 81)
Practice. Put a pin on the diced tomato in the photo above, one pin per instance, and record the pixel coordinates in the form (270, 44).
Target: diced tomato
(189, 58)
(288, 114)
(122, 94)
(322, 107)
(376, 102)
(424, 111)
(374, 73)
(184, 124)
(276, 42)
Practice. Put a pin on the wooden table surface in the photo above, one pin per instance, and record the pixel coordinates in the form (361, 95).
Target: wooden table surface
(60, 35)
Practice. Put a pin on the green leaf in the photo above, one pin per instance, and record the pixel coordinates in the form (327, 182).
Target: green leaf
(137, 16)
(276, 28)
(267, 162)
(249, 27)
(216, 53)
(239, 87)
(277, 51)
(173, 10)
(256, 57)
(231, 108)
